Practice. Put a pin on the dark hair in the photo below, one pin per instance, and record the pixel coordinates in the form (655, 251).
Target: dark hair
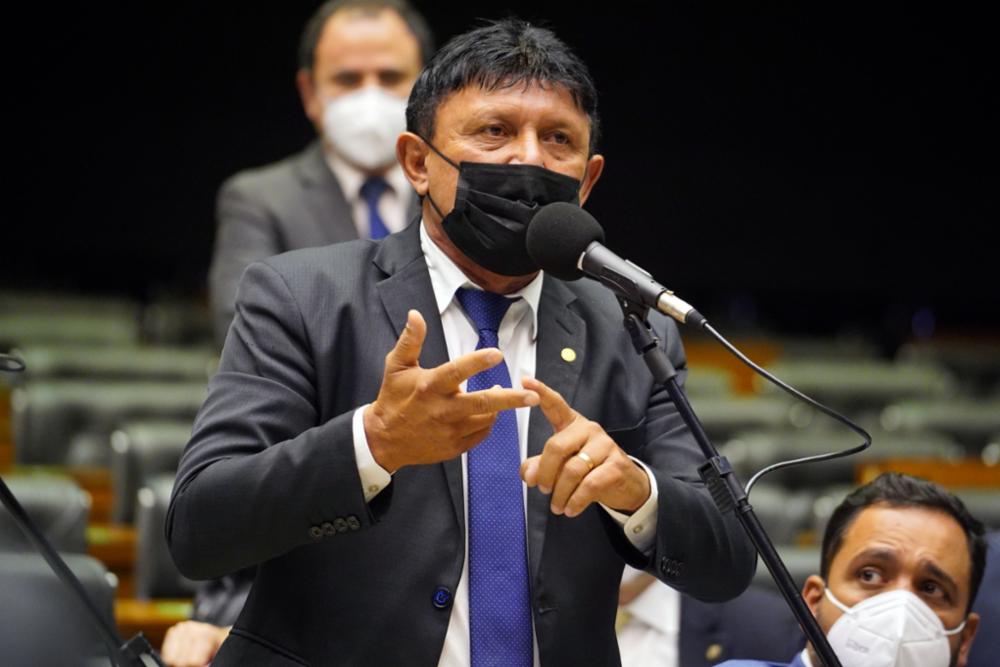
(501, 54)
(314, 26)
(898, 490)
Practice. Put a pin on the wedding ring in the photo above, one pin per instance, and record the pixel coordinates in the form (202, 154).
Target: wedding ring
(586, 459)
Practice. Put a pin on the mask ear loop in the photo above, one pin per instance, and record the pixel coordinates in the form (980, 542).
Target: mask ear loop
(829, 596)
(445, 158)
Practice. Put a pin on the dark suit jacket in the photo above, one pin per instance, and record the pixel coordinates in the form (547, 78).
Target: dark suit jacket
(291, 204)
(757, 624)
(270, 477)
(986, 645)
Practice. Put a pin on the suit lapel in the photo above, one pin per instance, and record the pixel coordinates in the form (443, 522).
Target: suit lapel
(324, 197)
(408, 286)
(559, 328)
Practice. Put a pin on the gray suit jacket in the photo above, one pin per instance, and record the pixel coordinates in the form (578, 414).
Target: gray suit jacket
(291, 204)
(270, 477)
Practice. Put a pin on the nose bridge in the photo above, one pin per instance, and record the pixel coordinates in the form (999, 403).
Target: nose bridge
(529, 146)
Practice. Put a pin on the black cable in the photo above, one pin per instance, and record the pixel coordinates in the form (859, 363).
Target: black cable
(802, 397)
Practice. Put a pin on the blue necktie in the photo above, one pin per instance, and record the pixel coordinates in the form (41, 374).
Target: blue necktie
(371, 192)
(499, 597)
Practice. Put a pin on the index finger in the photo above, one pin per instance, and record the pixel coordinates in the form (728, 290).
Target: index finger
(446, 377)
(553, 405)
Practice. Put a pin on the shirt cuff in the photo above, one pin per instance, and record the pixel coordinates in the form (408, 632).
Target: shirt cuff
(640, 526)
(374, 477)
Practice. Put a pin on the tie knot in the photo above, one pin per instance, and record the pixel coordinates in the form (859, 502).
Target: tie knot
(372, 189)
(486, 309)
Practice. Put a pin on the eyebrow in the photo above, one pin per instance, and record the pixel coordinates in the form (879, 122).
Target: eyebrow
(939, 573)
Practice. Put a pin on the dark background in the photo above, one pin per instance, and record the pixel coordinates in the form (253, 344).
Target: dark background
(807, 168)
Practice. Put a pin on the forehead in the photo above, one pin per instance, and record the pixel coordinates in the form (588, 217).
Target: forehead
(534, 102)
(915, 536)
(361, 35)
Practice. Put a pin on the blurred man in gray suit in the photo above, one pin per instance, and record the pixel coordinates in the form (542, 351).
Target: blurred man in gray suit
(358, 60)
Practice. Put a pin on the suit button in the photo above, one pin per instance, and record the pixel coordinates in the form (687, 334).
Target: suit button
(340, 524)
(442, 598)
(353, 523)
(315, 533)
(328, 529)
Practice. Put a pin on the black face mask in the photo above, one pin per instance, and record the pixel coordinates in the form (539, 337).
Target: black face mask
(494, 204)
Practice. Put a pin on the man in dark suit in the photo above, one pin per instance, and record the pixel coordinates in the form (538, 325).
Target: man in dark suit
(902, 561)
(363, 439)
(357, 62)
(659, 627)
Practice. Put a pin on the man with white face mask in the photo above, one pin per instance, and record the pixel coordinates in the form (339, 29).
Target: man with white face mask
(902, 562)
(358, 60)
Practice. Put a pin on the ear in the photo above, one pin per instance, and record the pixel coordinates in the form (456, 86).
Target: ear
(411, 152)
(967, 635)
(595, 165)
(310, 98)
(812, 593)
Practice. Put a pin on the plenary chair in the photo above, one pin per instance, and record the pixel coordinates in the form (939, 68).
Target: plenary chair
(48, 415)
(971, 421)
(750, 451)
(723, 416)
(849, 385)
(784, 513)
(57, 505)
(90, 362)
(140, 450)
(156, 576)
(800, 561)
(42, 622)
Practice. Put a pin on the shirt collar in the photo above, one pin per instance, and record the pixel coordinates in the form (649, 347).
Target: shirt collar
(351, 178)
(447, 278)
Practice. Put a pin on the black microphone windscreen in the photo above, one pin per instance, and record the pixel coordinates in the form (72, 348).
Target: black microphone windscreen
(558, 234)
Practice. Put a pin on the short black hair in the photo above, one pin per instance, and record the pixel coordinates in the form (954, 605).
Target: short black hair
(501, 54)
(898, 490)
(314, 26)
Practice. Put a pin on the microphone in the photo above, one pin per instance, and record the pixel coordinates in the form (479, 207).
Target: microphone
(568, 242)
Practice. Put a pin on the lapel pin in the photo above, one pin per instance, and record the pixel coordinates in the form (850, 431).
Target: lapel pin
(568, 355)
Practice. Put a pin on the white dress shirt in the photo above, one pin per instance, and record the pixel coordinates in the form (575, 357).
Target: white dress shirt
(393, 205)
(651, 635)
(516, 338)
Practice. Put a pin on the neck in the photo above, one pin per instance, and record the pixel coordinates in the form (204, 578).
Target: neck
(489, 281)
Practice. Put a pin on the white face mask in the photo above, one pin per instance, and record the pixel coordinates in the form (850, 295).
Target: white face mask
(891, 629)
(363, 126)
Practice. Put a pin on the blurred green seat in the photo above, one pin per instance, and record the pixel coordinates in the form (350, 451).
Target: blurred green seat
(139, 451)
(57, 505)
(785, 513)
(976, 361)
(971, 421)
(46, 416)
(800, 562)
(116, 363)
(858, 384)
(707, 381)
(42, 622)
(724, 415)
(750, 451)
(156, 576)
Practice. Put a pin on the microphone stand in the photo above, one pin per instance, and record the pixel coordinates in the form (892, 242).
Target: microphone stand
(136, 652)
(718, 475)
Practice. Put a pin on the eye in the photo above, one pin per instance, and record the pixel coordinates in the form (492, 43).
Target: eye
(560, 138)
(869, 575)
(390, 78)
(495, 131)
(932, 589)
(347, 79)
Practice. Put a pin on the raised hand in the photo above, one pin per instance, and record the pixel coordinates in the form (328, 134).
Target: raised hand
(581, 464)
(421, 415)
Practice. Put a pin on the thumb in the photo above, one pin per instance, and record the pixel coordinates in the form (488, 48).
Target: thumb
(406, 353)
